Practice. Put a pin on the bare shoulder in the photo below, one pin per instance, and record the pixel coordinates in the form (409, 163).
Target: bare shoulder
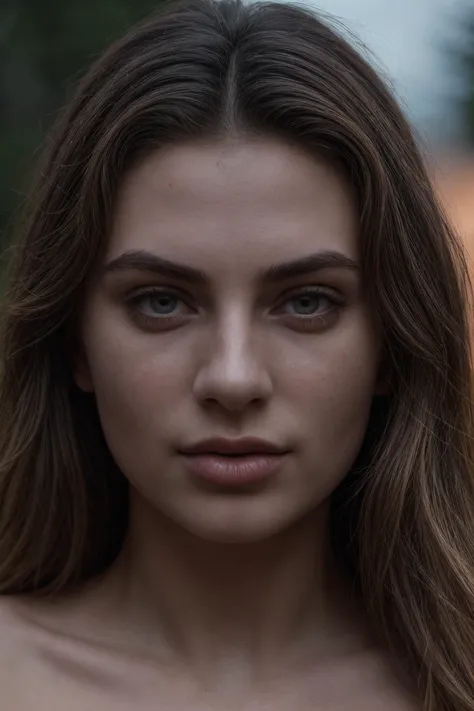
(32, 658)
(13, 631)
(42, 668)
(380, 685)
(16, 651)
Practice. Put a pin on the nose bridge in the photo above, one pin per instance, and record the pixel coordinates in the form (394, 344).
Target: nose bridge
(235, 343)
(235, 372)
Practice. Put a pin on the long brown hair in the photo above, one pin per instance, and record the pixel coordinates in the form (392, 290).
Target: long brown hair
(404, 519)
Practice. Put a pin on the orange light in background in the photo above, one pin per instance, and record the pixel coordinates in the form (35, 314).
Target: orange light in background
(454, 180)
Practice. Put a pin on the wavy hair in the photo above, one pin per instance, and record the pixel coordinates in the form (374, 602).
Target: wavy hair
(403, 520)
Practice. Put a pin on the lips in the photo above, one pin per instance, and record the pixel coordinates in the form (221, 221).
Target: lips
(233, 463)
(237, 447)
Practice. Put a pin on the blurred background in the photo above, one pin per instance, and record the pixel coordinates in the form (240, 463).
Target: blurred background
(424, 48)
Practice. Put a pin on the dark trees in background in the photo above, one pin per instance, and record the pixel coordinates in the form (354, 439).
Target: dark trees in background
(45, 46)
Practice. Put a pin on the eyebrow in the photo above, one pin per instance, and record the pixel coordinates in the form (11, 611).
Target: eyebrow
(144, 261)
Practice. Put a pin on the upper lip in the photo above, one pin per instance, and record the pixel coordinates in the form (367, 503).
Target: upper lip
(244, 445)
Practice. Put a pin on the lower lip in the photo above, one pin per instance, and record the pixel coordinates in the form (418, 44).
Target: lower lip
(234, 471)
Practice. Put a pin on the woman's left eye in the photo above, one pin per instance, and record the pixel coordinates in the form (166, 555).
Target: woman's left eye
(309, 304)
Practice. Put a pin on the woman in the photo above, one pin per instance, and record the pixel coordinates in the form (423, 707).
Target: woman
(235, 406)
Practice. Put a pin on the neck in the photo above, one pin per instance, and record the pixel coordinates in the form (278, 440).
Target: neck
(211, 603)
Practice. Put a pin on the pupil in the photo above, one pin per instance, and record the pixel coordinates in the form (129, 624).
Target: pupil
(163, 304)
(307, 304)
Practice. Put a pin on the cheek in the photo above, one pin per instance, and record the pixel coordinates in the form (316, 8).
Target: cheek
(338, 369)
(332, 387)
(137, 381)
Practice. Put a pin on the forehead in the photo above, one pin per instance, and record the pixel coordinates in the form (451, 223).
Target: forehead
(226, 205)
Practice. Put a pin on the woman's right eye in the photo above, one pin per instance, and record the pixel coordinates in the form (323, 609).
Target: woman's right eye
(158, 307)
(158, 304)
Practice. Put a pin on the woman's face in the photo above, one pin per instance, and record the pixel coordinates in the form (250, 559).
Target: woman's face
(229, 306)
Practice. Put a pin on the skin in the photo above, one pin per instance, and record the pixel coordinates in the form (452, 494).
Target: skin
(220, 599)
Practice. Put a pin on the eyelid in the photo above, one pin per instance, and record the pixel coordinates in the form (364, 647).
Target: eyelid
(143, 291)
(314, 290)
(153, 289)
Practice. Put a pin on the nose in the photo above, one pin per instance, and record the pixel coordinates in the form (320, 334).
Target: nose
(233, 375)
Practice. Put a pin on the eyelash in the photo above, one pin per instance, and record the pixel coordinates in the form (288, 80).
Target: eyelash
(306, 321)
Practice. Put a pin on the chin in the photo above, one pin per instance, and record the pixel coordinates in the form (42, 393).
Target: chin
(243, 525)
